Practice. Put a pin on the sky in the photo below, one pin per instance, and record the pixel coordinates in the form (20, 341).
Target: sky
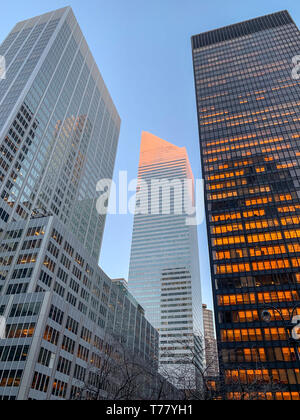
(143, 50)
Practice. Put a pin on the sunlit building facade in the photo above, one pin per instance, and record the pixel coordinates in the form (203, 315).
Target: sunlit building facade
(248, 112)
(164, 273)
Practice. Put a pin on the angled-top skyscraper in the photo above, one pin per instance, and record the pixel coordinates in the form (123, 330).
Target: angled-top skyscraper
(164, 273)
(248, 110)
(59, 128)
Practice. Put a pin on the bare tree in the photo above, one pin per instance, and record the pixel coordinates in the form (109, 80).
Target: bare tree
(192, 378)
(119, 374)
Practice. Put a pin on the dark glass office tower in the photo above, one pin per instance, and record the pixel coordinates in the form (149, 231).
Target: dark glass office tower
(249, 122)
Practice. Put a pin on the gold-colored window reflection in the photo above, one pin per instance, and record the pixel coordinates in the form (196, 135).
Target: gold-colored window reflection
(270, 297)
(226, 175)
(247, 376)
(226, 185)
(245, 316)
(270, 265)
(287, 396)
(290, 220)
(254, 213)
(227, 228)
(253, 334)
(10, 378)
(241, 335)
(229, 241)
(262, 224)
(233, 268)
(280, 376)
(27, 259)
(264, 237)
(258, 201)
(289, 354)
(292, 234)
(254, 355)
(262, 298)
(233, 253)
(296, 262)
(270, 250)
(257, 266)
(224, 217)
(20, 330)
(222, 196)
(275, 334)
(230, 300)
(253, 315)
(283, 197)
(253, 396)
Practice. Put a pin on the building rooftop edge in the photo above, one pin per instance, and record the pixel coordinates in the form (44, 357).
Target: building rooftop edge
(244, 28)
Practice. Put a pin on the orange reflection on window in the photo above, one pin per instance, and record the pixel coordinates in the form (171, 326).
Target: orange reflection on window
(289, 209)
(240, 299)
(224, 217)
(230, 240)
(292, 234)
(270, 265)
(228, 228)
(257, 201)
(264, 237)
(233, 268)
(290, 220)
(271, 250)
(252, 213)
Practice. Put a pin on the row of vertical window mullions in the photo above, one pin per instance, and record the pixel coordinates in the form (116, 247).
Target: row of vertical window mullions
(218, 131)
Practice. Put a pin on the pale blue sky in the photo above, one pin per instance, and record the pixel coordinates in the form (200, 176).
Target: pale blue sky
(143, 49)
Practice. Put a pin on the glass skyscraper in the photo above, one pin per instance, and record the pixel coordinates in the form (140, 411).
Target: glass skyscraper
(248, 111)
(164, 273)
(59, 133)
(59, 128)
(211, 351)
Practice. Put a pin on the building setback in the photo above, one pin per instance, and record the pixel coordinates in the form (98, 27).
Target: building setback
(248, 112)
(164, 273)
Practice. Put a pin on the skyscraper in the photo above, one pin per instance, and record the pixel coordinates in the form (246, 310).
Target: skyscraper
(63, 318)
(59, 128)
(211, 350)
(59, 312)
(164, 273)
(248, 112)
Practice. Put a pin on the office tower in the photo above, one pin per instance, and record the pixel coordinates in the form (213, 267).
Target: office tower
(59, 128)
(164, 273)
(60, 334)
(60, 315)
(211, 349)
(248, 112)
